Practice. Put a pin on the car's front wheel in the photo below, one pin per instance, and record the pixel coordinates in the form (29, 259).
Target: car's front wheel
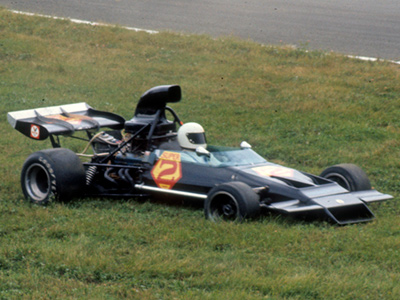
(349, 176)
(233, 201)
(52, 174)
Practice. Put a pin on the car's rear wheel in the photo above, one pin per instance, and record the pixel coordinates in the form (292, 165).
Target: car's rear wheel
(52, 174)
(232, 201)
(349, 176)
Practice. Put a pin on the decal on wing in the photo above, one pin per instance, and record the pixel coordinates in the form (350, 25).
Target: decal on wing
(72, 120)
(35, 132)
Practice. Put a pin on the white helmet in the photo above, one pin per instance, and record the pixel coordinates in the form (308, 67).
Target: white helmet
(191, 136)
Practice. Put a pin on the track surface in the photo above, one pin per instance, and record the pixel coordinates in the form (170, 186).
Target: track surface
(355, 27)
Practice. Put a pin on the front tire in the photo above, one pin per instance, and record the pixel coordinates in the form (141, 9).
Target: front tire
(52, 175)
(233, 201)
(349, 176)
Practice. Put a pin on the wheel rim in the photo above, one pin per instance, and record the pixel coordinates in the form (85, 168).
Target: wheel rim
(339, 179)
(37, 182)
(223, 206)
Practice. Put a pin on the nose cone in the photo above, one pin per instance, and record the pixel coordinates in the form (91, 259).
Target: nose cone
(273, 171)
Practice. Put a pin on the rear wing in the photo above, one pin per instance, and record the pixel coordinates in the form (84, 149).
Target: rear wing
(41, 123)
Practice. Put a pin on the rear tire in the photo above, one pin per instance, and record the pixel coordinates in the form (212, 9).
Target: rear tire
(349, 176)
(52, 175)
(233, 201)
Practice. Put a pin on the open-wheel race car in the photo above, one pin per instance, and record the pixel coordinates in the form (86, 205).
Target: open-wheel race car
(151, 155)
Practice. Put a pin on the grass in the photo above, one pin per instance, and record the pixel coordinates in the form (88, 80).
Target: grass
(304, 109)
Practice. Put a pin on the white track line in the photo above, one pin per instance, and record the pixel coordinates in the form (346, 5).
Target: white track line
(373, 59)
(155, 32)
(82, 21)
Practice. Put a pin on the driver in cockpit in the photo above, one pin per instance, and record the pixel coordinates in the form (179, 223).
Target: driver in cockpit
(191, 136)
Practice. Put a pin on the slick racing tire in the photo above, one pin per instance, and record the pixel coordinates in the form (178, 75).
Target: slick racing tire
(52, 175)
(233, 201)
(349, 176)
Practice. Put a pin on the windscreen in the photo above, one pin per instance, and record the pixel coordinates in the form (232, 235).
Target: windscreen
(236, 156)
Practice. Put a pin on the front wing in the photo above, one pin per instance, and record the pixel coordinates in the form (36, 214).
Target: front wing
(342, 208)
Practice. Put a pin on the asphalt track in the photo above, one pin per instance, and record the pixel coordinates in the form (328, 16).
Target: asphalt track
(353, 27)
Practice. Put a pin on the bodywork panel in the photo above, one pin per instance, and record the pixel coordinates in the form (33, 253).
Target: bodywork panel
(289, 191)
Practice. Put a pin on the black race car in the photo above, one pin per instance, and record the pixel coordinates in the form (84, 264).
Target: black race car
(151, 158)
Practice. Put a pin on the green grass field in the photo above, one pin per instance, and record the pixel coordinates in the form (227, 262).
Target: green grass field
(304, 109)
